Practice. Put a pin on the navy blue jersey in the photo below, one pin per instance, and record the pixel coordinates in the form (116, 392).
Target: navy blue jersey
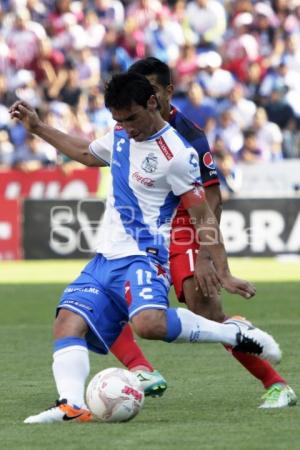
(196, 137)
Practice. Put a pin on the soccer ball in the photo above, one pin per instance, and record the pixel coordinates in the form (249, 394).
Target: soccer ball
(114, 395)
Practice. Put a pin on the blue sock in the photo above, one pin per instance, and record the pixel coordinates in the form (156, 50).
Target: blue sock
(173, 325)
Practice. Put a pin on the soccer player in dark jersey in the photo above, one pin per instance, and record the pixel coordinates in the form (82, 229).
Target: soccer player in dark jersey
(184, 244)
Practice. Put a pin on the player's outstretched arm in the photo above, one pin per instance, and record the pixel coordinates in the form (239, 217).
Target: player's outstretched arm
(211, 277)
(74, 147)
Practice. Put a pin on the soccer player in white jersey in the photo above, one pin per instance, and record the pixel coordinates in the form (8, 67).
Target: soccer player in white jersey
(153, 169)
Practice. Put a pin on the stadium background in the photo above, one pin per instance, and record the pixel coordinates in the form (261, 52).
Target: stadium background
(236, 70)
(232, 61)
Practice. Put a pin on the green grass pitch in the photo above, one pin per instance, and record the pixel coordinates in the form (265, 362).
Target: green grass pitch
(211, 403)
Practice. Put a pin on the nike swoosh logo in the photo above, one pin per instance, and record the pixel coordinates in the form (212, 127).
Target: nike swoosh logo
(65, 417)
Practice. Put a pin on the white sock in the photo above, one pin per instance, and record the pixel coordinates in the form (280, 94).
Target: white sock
(71, 367)
(196, 328)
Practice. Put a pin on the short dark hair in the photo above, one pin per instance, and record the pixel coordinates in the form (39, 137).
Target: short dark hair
(153, 66)
(126, 88)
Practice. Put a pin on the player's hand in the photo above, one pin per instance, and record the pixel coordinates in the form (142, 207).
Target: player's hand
(206, 277)
(237, 286)
(26, 114)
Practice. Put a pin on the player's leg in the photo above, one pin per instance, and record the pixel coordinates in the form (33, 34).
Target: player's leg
(181, 325)
(211, 307)
(86, 318)
(152, 319)
(70, 370)
(127, 351)
(279, 394)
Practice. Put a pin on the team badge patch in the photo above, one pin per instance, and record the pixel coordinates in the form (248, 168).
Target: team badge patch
(150, 163)
(208, 161)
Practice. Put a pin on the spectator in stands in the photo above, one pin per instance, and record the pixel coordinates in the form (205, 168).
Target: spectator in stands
(277, 109)
(197, 107)
(291, 140)
(88, 68)
(59, 50)
(133, 40)
(26, 88)
(164, 37)
(56, 22)
(30, 156)
(23, 38)
(111, 13)
(208, 20)
(37, 10)
(50, 60)
(113, 57)
(6, 150)
(253, 80)
(143, 11)
(250, 152)
(210, 129)
(269, 136)
(70, 90)
(186, 67)
(265, 23)
(97, 114)
(179, 15)
(229, 131)
(228, 172)
(94, 30)
(7, 96)
(241, 48)
(242, 109)
(217, 82)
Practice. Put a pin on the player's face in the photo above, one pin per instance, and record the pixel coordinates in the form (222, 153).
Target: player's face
(138, 122)
(163, 95)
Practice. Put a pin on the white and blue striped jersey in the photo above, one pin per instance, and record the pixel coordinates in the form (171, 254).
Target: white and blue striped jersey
(147, 179)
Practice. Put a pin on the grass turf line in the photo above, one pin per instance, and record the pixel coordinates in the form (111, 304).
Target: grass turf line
(211, 403)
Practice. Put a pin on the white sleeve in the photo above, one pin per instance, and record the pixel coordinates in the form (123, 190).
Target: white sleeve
(184, 171)
(102, 148)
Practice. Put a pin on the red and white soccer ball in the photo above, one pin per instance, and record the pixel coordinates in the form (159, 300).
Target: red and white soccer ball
(114, 395)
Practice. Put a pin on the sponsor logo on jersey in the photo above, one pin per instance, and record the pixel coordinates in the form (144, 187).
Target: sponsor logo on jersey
(145, 181)
(208, 161)
(164, 148)
(90, 290)
(76, 303)
(150, 163)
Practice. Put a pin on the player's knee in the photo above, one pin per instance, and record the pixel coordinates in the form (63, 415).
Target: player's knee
(68, 323)
(150, 324)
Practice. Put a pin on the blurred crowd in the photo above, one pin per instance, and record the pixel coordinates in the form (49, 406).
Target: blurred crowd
(235, 65)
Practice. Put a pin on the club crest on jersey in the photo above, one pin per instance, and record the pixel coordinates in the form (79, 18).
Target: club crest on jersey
(150, 163)
(208, 161)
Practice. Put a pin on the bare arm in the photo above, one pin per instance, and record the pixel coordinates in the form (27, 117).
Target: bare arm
(214, 199)
(211, 277)
(74, 147)
(209, 233)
